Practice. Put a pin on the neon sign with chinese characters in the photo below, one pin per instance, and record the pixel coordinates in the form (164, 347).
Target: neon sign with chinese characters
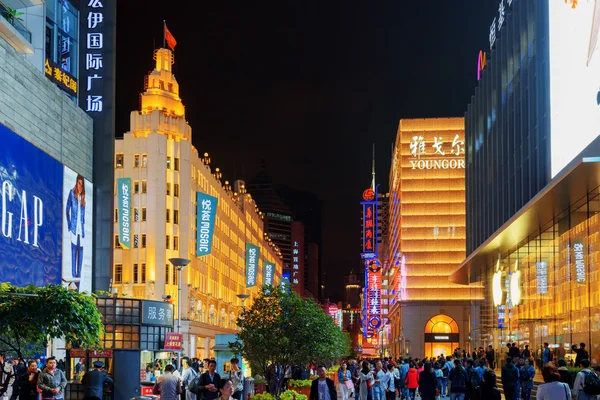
(63, 79)
(373, 268)
(94, 56)
(504, 7)
(438, 154)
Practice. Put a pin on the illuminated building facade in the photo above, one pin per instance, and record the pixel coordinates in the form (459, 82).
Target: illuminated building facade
(166, 172)
(533, 179)
(426, 239)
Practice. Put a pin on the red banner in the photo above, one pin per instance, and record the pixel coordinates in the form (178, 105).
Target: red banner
(173, 341)
(77, 353)
(101, 353)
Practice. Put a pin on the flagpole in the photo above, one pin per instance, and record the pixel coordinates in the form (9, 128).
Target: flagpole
(164, 34)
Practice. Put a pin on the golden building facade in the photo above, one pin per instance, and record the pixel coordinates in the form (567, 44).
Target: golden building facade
(429, 315)
(166, 172)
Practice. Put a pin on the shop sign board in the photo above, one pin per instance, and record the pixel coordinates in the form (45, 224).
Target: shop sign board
(173, 341)
(157, 313)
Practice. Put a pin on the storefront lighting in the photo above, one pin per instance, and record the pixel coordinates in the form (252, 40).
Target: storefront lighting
(497, 286)
(515, 287)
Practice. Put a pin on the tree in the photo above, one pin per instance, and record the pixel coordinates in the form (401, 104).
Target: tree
(30, 316)
(282, 329)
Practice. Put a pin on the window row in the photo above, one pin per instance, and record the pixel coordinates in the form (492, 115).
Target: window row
(170, 275)
(136, 214)
(142, 244)
(141, 161)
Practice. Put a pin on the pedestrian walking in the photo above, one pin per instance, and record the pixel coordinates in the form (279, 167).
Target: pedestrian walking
(226, 389)
(427, 383)
(94, 382)
(458, 381)
(526, 375)
(52, 381)
(552, 388)
(28, 382)
(510, 379)
(344, 379)
(208, 382)
(378, 389)
(168, 386)
(487, 390)
(188, 374)
(412, 381)
(366, 382)
(236, 377)
(322, 388)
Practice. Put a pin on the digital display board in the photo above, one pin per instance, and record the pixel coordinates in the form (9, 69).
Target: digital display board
(574, 79)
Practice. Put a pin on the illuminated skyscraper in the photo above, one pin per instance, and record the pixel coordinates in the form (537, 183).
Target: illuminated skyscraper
(427, 238)
(167, 172)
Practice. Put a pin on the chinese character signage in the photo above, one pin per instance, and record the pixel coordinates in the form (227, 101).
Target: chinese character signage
(373, 301)
(124, 195)
(579, 256)
(252, 253)
(97, 47)
(206, 210)
(60, 77)
(46, 233)
(499, 21)
(157, 313)
(437, 152)
(173, 341)
(297, 259)
(369, 240)
(269, 273)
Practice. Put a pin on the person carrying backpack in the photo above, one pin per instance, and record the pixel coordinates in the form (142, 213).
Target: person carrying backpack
(526, 375)
(587, 383)
(458, 381)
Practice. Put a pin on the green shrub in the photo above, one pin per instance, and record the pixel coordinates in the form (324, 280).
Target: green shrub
(290, 394)
(263, 396)
(300, 382)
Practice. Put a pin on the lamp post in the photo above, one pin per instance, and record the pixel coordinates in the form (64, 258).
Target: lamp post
(243, 297)
(179, 263)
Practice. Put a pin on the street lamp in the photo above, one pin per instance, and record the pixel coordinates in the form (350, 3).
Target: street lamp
(179, 263)
(243, 297)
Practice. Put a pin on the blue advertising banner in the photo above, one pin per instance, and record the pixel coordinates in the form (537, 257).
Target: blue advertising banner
(206, 210)
(252, 253)
(124, 194)
(31, 213)
(269, 273)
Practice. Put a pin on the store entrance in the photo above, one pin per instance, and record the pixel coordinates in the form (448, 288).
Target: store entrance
(441, 336)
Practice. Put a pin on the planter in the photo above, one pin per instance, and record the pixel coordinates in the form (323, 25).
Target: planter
(260, 388)
(305, 390)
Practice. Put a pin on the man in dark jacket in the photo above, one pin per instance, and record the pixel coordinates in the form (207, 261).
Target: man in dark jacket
(510, 378)
(208, 383)
(322, 388)
(94, 381)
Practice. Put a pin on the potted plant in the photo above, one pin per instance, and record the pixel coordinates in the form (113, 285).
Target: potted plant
(260, 386)
(301, 385)
(12, 15)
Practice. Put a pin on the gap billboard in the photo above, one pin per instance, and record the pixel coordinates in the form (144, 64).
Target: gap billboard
(46, 216)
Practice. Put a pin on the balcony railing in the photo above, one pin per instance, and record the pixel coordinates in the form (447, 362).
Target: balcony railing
(14, 21)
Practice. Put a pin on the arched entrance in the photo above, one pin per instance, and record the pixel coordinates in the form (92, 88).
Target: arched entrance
(441, 336)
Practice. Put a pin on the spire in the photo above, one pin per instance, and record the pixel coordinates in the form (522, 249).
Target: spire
(373, 169)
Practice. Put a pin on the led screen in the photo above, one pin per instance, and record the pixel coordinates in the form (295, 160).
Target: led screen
(574, 78)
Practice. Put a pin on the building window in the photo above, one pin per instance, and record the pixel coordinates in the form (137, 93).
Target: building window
(167, 275)
(143, 274)
(136, 161)
(168, 188)
(176, 217)
(176, 165)
(136, 214)
(168, 162)
(144, 186)
(136, 240)
(167, 242)
(174, 280)
(136, 186)
(175, 242)
(136, 271)
(144, 160)
(119, 160)
(118, 273)
(143, 240)
(143, 214)
(116, 215)
(117, 243)
(176, 189)
(168, 215)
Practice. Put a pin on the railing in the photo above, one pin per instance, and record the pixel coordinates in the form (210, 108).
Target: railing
(14, 21)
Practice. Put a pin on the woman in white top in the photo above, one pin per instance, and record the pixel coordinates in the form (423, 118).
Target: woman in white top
(552, 389)
(366, 380)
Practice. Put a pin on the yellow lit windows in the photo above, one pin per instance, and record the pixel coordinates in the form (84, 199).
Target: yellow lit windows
(176, 190)
(144, 186)
(143, 273)
(168, 162)
(119, 160)
(167, 274)
(176, 217)
(136, 214)
(168, 215)
(144, 160)
(168, 188)
(118, 273)
(136, 271)
(176, 164)
(167, 242)
(117, 243)
(116, 215)
(136, 187)
(143, 240)
(136, 161)
(143, 214)
(175, 242)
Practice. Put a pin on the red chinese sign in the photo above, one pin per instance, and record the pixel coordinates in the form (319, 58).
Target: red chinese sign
(369, 227)
(369, 195)
(173, 341)
(101, 353)
(77, 353)
(373, 300)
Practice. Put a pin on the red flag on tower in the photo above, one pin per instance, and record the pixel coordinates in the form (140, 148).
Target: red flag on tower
(169, 38)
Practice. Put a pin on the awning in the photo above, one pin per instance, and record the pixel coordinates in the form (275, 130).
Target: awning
(570, 185)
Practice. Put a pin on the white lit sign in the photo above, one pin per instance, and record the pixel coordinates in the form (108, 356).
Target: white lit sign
(578, 251)
(497, 288)
(515, 286)
(441, 337)
(498, 22)
(574, 79)
(94, 55)
(541, 274)
(440, 155)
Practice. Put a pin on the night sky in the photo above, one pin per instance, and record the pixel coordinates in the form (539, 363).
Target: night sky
(308, 85)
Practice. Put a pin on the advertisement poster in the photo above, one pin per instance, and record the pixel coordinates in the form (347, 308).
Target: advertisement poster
(124, 197)
(31, 213)
(206, 211)
(78, 201)
(574, 79)
(252, 253)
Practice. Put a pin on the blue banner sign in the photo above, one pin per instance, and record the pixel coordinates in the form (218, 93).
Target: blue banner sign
(124, 194)
(269, 273)
(206, 210)
(252, 253)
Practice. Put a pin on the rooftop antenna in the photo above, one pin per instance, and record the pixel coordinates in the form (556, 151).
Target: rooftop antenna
(373, 170)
